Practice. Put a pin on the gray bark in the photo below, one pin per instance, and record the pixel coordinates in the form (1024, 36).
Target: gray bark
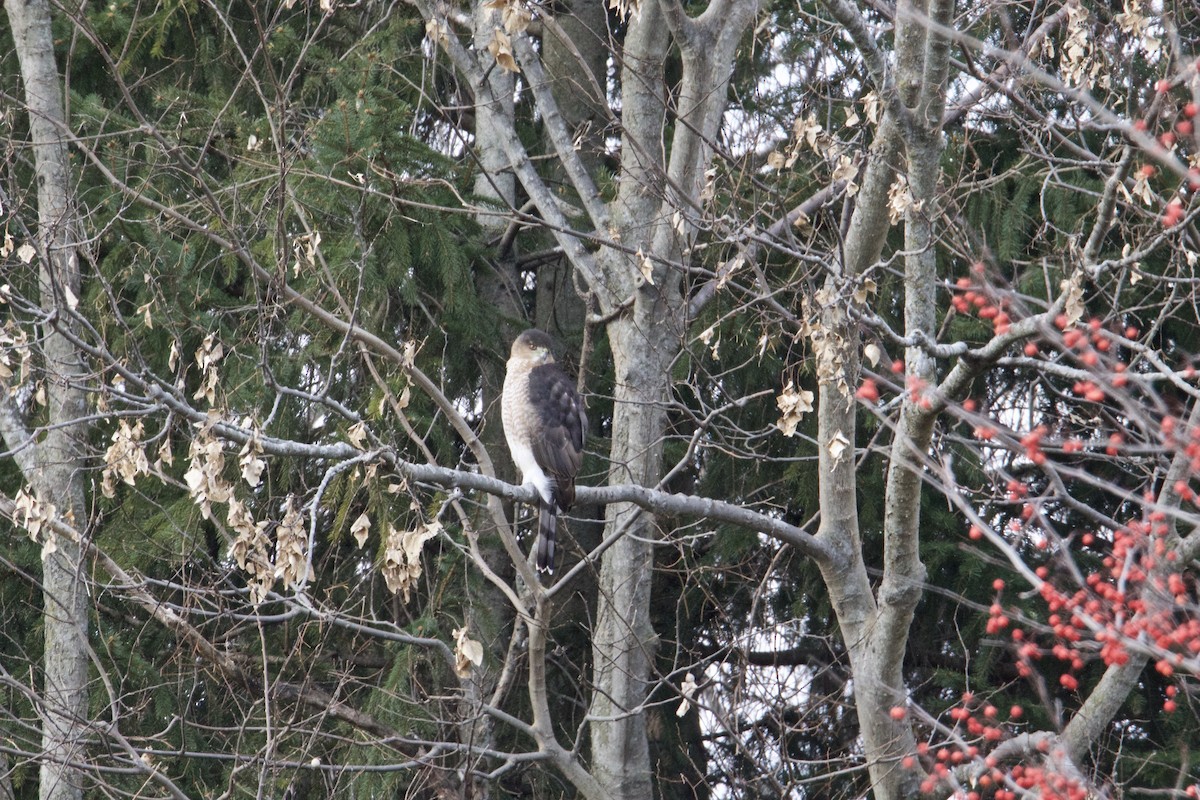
(57, 474)
(878, 685)
(623, 639)
(493, 92)
(575, 49)
(656, 216)
(490, 616)
(875, 627)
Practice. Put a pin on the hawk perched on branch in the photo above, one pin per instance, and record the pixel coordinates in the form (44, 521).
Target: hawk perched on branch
(545, 425)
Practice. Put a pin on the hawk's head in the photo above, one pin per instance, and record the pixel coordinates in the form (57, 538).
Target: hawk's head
(532, 347)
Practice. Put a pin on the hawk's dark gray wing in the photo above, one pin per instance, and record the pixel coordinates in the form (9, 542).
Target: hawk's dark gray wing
(563, 426)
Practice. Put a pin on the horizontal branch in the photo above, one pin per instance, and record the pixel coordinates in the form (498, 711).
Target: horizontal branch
(168, 397)
(651, 500)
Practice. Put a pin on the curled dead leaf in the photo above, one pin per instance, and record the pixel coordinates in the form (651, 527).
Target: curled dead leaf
(646, 267)
(864, 291)
(357, 434)
(501, 49)
(808, 130)
(871, 106)
(125, 458)
(291, 547)
(837, 445)
(1072, 289)
(793, 404)
(468, 653)
(360, 529)
(402, 556)
(515, 17)
(249, 459)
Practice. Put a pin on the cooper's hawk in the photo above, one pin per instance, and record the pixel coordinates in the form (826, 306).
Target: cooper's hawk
(545, 424)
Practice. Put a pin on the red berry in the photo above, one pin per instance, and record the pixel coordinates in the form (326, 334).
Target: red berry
(868, 392)
(1162, 86)
(898, 712)
(1173, 214)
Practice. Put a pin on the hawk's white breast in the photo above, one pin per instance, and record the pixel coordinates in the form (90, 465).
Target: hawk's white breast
(518, 417)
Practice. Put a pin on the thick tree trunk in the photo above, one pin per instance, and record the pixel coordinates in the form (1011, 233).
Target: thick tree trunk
(490, 615)
(623, 641)
(57, 477)
(658, 218)
(574, 52)
(876, 627)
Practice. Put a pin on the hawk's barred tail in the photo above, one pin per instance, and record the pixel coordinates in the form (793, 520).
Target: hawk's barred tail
(547, 528)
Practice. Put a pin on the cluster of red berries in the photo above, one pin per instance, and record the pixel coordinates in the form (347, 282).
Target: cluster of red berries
(1088, 345)
(981, 725)
(1184, 126)
(1135, 597)
(981, 300)
(1183, 123)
